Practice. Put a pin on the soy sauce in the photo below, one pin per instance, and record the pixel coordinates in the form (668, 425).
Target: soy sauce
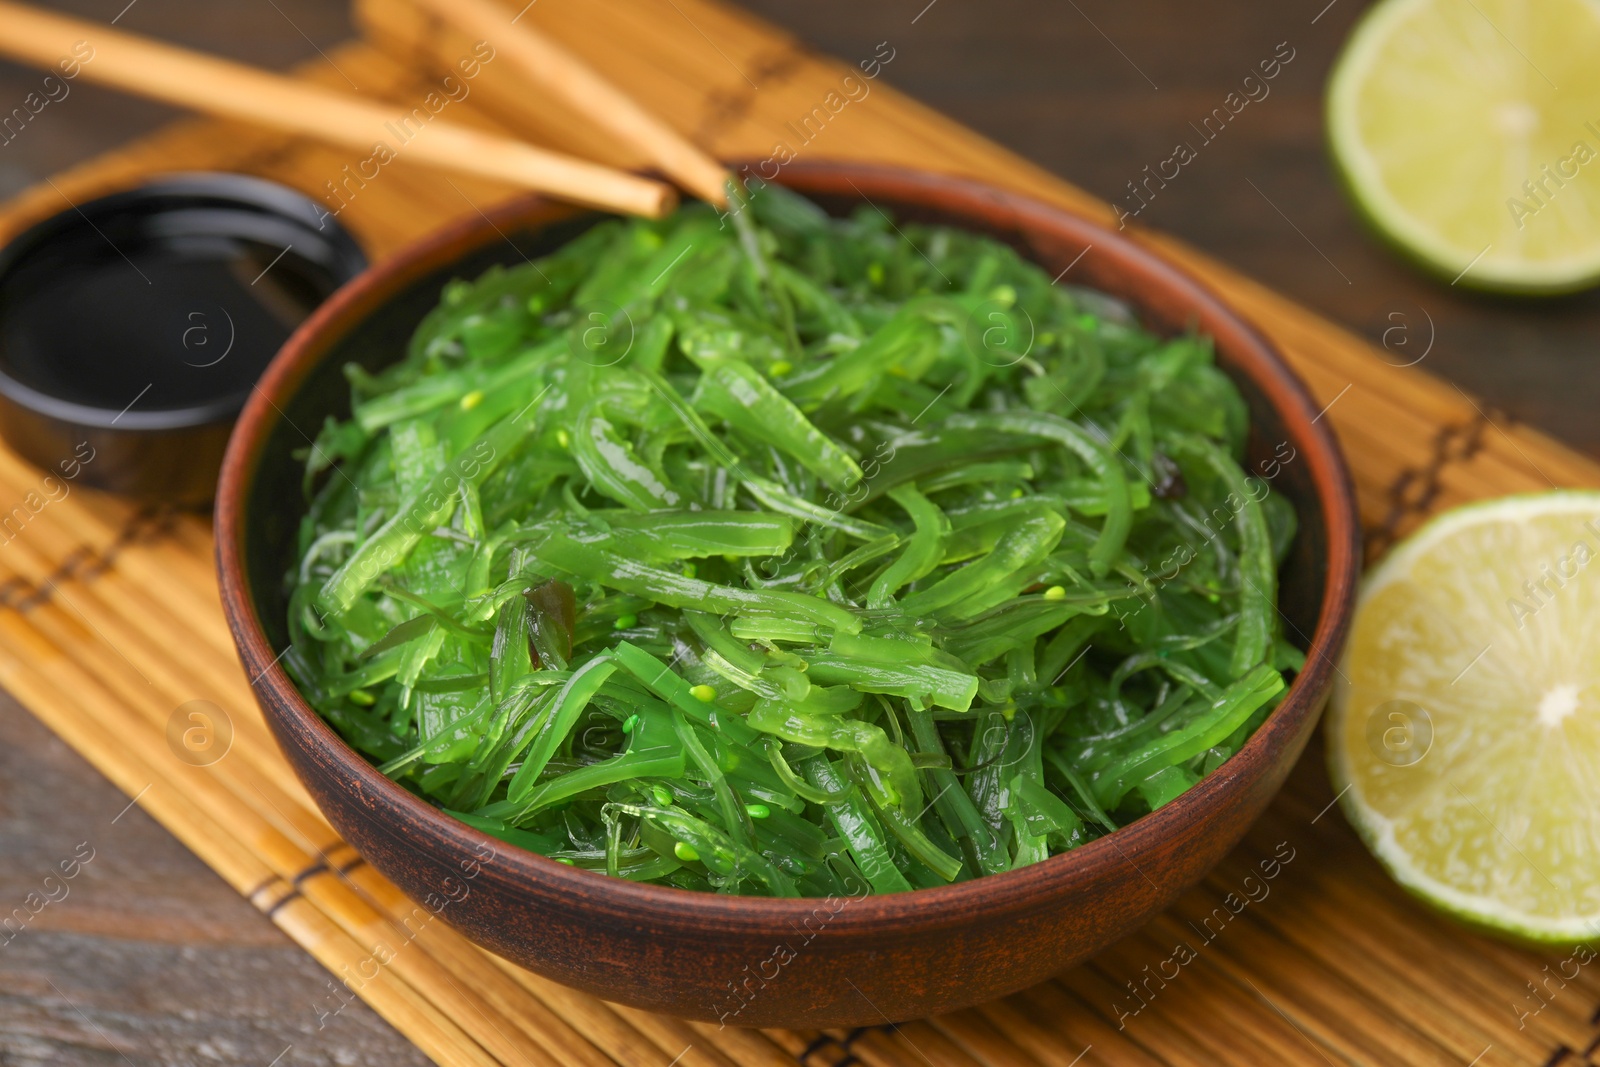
(159, 323)
(140, 322)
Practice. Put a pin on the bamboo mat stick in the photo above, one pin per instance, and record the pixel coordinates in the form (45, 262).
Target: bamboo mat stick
(135, 632)
(1404, 989)
(1425, 943)
(177, 586)
(301, 843)
(233, 794)
(1251, 954)
(980, 1037)
(220, 87)
(144, 644)
(792, 1043)
(749, 1048)
(1282, 920)
(1254, 1031)
(1092, 991)
(1178, 1033)
(673, 1037)
(377, 940)
(1361, 886)
(919, 1040)
(504, 994)
(1481, 982)
(129, 619)
(1068, 1032)
(675, 66)
(568, 1015)
(22, 652)
(284, 802)
(1207, 1029)
(666, 1037)
(507, 996)
(577, 86)
(437, 1033)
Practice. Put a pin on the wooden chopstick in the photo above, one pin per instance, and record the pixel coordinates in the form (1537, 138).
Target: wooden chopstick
(578, 86)
(232, 90)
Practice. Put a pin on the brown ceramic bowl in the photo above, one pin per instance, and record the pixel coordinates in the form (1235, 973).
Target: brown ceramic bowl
(754, 961)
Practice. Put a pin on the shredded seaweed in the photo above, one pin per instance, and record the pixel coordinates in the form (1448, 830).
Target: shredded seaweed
(772, 557)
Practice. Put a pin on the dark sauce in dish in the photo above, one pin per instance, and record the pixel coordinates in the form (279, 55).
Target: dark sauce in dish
(133, 327)
(162, 321)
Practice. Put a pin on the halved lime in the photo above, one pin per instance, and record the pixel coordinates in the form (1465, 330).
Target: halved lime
(1464, 729)
(1468, 132)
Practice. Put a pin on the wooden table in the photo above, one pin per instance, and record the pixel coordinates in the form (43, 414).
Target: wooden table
(153, 959)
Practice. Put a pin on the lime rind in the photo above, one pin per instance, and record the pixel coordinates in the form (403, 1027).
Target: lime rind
(1376, 830)
(1361, 176)
(1511, 507)
(1377, 833)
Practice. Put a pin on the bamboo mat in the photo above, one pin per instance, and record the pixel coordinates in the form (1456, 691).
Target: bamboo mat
(110, 622)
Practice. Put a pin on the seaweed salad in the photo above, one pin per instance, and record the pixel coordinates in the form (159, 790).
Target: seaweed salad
(776, 553)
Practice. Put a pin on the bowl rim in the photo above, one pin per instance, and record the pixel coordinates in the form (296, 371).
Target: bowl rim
(874, 914)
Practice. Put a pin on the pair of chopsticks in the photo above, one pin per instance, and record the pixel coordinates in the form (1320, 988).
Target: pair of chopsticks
(231, 90)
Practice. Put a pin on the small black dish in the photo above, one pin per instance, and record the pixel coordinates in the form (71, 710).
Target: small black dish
(133, 327)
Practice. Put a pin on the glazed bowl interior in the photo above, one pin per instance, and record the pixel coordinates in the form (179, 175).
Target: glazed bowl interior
(871, 959)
